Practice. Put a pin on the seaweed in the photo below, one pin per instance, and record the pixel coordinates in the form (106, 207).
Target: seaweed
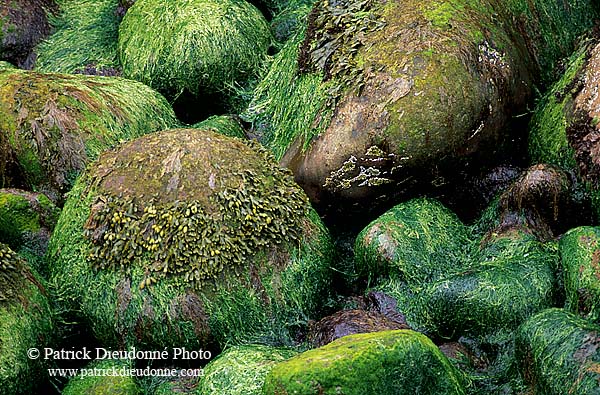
(228, 125)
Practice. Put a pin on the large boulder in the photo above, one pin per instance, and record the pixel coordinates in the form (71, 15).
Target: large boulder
(198, 47)
(184, 237)
(564, 129)
(26, 324)
(52, 125)
(23, 24)
(375, 99)
(84, 39)
(384, 363)
(559, 353)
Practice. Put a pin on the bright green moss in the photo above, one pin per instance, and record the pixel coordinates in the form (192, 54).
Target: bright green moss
(558, 352)
(198, 46)
(384, 363)
(580, 253)
(85, 34)
(102, 381)
(241, 370)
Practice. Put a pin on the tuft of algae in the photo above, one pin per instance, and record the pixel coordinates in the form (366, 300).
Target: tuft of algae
(103, 377)
(84, 39)
(26, 322)
(558, 353)
(198, 236)
(580, 256)
(241, 370)
(54, 124)
(386, 363)
(198, 47)
(228, 125)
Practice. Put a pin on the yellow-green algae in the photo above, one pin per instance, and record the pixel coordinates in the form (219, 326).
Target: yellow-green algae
(248, 259)
(384, 363)
(53, 124)
(580, 254)
(559, 353)
(227, 125)
(25, 322)
(85, 34)
(103, 383)
(198, 46)
(241, 370)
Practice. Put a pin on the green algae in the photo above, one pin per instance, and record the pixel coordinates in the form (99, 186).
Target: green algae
(385, 363)
(198, 46)
(558, 353)
(227, 125)
(241, 370)
(275, 275)
(101, 384)
(55, 123)
(85, 35)
(580, 253)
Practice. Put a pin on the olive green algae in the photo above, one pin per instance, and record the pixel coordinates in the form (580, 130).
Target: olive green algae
(193, 46)
(385, 363)
(187, 237)
(25, 323)
(241, 370)
(580, 253)
(559, 354)
(54, 124)
(98, 378)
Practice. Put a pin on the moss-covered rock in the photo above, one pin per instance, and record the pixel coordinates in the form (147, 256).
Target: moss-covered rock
(565, 124)
(559, 353)
(241, 370)
(187, 236)
(25, 323)
(53, 124)
(23, 24)
(580, 255)
(385, 363)
(84, 39)
(379, 110)
(193, 46)
(103, 377)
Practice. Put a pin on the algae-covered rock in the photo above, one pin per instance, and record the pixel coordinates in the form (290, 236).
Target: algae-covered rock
(384, 363)
(84, 39)
(227, 125)
(391, 97)
(559, 353)
(23, 24)
(53, 124)
(25, 323)
(448, 280)
(564, 128)
(580, 254)
(188, 236)
(193, 46)
(241, 370)
(103, 377)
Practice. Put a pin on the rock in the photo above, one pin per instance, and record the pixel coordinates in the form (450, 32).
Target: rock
(53, 125)
(124, 5)
(242, 370)
(564, 128)
(23, 24)
(98, 378)
(365, 110)
(384, 363)
(186, 237)
(349, 322)
(580, 255)
(84, 39)
(212, 45)
(25, 324)
(559, 353)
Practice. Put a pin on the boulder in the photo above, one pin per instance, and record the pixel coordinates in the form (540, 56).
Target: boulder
(52, 125)
(186, 237)
(384, 363)
(559, 353)
(26, 323)
(376, 100)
